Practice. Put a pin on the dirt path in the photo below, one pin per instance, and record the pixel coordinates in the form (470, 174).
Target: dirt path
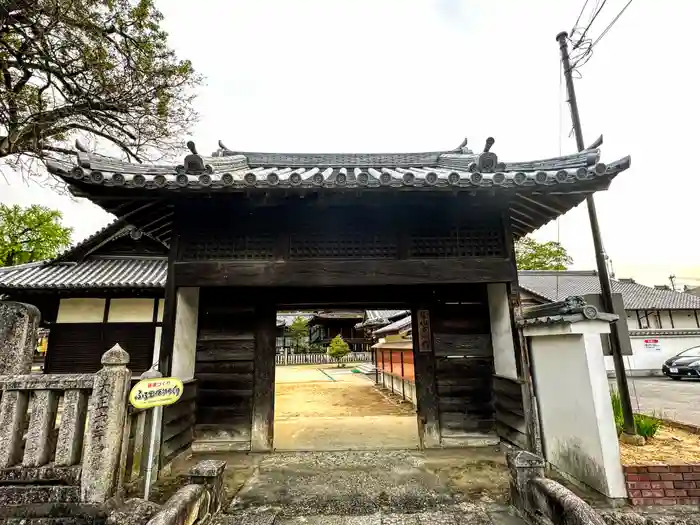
(334, 409)
(331, 393)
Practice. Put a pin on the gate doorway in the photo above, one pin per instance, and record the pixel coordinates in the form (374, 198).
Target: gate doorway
(329, 402)
(246, 402)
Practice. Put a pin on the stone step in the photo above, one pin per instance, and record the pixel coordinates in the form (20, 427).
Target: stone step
(52, 513)
(366, 368)
(451, 515)
(65, 520)
(18, 495)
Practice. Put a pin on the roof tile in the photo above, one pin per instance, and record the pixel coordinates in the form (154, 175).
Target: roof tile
(555, 286)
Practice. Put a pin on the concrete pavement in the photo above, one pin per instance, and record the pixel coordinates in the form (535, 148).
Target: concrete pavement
(665, 398)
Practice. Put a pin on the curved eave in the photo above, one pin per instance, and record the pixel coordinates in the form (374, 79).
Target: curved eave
(417, 178)
(533, 199)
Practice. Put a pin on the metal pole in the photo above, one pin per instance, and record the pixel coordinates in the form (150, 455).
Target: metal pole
(605, 287)
(156, 418)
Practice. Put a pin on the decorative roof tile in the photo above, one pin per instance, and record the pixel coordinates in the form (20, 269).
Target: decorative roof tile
(228, 170)
(555, 286)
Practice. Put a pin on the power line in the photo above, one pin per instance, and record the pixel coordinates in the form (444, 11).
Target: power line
(579, 17)
(611, 24)
(585, 46)
(583, 35)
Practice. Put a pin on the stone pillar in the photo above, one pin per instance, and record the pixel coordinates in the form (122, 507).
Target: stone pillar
(105, 428)
(18, 331)
(209, 473)
(523, 466)
(578, 428)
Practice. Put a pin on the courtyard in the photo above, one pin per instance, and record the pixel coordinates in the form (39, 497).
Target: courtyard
(323, 407)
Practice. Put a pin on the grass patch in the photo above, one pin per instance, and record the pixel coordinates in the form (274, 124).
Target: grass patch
(647, 426)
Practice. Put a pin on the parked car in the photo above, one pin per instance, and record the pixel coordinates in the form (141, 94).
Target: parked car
(685, 364)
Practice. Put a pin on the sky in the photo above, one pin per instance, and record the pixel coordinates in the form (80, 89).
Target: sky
(420, 75)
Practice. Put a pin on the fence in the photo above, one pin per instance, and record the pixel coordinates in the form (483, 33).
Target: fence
(38, 397)
(73, 430)
(321, 359)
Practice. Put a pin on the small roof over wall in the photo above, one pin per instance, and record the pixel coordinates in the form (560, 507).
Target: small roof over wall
(117, 257)
(556, 286)
(537, 190)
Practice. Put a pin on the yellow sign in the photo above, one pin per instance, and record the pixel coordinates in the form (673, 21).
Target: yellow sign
(155, 392)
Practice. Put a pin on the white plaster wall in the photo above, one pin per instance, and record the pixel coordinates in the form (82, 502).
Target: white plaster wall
(578, 429)
(156, 345)
(501, 331)
(185, 344)
(161, 306)
(134, 310)
(648, 361)
(81, 310)
(682, 319)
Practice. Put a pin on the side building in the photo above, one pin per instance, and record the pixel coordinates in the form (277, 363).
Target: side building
(108, 289)
(660, 321)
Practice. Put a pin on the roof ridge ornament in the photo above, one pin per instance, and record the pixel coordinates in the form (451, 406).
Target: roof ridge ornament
(194, 163)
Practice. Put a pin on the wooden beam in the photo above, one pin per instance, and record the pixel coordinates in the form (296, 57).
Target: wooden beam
(426, 388)
(360, 272)
(262, 434)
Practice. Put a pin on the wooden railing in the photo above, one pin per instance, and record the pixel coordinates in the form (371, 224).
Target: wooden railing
(321, 359)
(43, 418)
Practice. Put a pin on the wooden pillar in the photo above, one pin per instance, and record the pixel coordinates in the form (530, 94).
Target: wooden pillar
(522, 358)
(262, 432)
(426, 390)
(167, 338)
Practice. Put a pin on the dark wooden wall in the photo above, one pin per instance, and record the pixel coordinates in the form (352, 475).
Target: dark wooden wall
(463, 370)
(395, 240)
(178, 424)
(510, 410)
(224, 372)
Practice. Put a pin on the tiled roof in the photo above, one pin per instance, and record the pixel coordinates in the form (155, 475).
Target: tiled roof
(287, 318)
(384, 314)
(229, 170)
(396, 326)
(555, 286)
(537, 191)
(91, 273)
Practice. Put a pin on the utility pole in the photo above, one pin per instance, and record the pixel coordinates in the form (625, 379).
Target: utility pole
(672, 278)
(605, 287)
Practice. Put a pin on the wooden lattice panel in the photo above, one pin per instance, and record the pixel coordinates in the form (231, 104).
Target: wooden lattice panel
(343, 245)
(223, 248)
(462, 242)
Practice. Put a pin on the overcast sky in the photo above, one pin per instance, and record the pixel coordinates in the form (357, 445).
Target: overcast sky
(411, 75)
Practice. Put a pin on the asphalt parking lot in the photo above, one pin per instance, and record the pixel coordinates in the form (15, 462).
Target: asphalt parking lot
(663, 397)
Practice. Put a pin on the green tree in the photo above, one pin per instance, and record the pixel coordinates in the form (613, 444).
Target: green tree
(299, 332)
(81, 68)
(338, 348)
(31, 234)
(533, 255)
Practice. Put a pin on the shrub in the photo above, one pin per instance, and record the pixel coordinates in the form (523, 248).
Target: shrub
(338, 348)
(647, 426)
